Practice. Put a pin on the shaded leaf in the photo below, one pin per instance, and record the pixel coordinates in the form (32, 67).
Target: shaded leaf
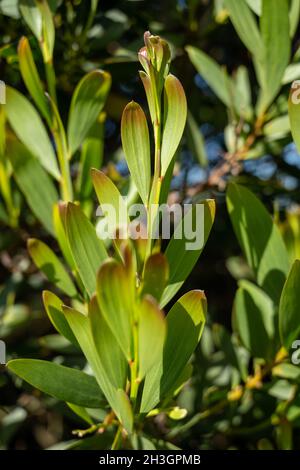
(259, 239)
(61, 382)
(47, 261)
(34, 182)
(53, 306)
(289, 308)
(254, 317)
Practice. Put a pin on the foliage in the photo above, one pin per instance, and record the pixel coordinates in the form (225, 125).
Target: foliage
(118, 353)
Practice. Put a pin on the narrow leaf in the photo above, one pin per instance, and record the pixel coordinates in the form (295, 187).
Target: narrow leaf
(175, 112)
(87, 102)
(213, 74)
(182, 256)
(47, 261)
(156, 275)
(289, 308)
(259, 239)
(185, 323)
(112, 357)
(61, 382)
(136, 146)
(87, 250)
(254, 317)
(110, 200)
(115, 298)
(28, 126)
(34, 182)
(53, 306)
(152, 333)
(31, 77)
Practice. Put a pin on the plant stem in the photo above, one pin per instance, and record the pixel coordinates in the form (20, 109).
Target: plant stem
(134, 384)
(7, 195)
(51, 80)
(117, 440)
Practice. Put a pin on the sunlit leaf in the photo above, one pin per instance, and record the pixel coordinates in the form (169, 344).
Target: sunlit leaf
(29, 128)
(181, 256)
(136, 146)
(185, 323)
(175, 112)
(87, 102)
(87, 250)
(31, 77)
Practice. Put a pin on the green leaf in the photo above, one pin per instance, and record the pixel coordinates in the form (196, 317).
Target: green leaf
(48, 31)
(136, 146)
(91, 156)
(112, 357)
(259, 238)
(47, 261)
(213, 74)
(61, 382)
(185, 323)
(195, 140)
(116, 302)
(32, 16)
(181, 259)
(108, 195)
(277, 127)
(81, 412)
(294, 15)
(175, 112)
(292, 72)
(53, 306)
(149, 93)
(254, 317)
(151, 336)
(81, 327)
(124, 410)
(59, 218)
(289, 308)
(34, 182)
(31, 77)
(87, 102)
(87, 250)
(28, 126)
(294, 112)
(276, 37)
(255, 5)
(245, 24)
(156, 275)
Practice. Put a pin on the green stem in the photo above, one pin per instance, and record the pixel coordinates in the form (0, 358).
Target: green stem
(51, 80)
(117, 440)
(134, 384)
(7, 195)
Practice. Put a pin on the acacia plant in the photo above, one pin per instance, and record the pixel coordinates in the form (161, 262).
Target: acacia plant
(139, 357)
